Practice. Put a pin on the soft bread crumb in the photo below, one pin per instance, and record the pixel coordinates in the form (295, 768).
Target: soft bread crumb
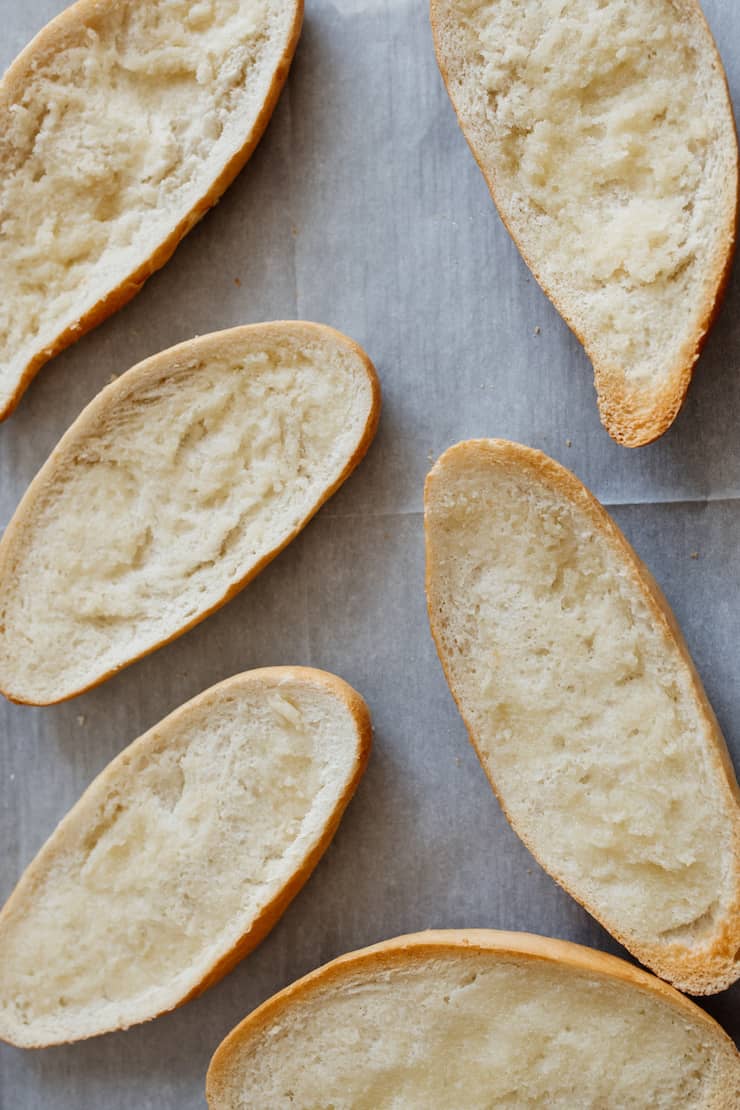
(114, 128)
(583, 710)
(175, 852)
(606, 134)
(431, 1030)
(177, 483)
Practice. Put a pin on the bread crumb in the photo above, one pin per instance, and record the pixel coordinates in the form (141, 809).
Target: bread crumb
(694, 554)
(608, 182)
(237, 281)
(81, 719)
(569, 443)
(138, 149)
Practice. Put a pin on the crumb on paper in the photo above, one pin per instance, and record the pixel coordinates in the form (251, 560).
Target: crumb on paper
(237, 281)
(569, 443)
(537, 330)
(81, 718)
(294, 231)
(430, 456)
(694, 554)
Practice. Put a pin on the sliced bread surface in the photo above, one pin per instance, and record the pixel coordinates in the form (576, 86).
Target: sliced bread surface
(606, 136)
(181, 855)
(582, 702)
(474, 1020)
(121, 124)
(172, 489)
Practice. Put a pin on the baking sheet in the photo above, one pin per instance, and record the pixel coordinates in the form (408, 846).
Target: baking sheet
(363, 208)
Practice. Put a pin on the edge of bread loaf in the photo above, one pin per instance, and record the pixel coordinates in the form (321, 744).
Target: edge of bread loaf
(703, 970)
(138, 375)
(405, 949)
(273, 910)
(46, 42)
(630, 424)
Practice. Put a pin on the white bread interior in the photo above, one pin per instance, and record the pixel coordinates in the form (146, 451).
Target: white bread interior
(175, 486)
(476, 1020)
(584, 707)
(180, 856)
(122, 123)
(606, 136)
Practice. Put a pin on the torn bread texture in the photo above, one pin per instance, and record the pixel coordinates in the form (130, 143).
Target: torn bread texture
(584, 707)
(476, 1019)
(181, 855)
(605, 133)
(122, 123)
(173, 489)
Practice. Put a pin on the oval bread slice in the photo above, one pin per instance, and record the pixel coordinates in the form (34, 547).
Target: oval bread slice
(605, 134)
(476, 1019)
(181, 855)
(172, 490)
(120, 125)
(582, 702)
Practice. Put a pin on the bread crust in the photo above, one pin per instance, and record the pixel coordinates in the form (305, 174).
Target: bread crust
(273, 911)
(130, 382)
(630, 424)
(46, 43)
(403, 950)
(703, 970)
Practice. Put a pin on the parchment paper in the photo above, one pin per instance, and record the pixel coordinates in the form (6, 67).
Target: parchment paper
(363, 208)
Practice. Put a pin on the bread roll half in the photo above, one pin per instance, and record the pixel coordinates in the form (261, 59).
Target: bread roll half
(605, 133)
(585, 709)
(181, 856)
(120, 125)
(476, 1019)
(172, 490)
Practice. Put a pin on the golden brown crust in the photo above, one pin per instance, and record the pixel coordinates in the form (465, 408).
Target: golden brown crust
(129, 383)
(47, 42)
(625, 416)
(273, 911)
(421, 946)
(704, 970)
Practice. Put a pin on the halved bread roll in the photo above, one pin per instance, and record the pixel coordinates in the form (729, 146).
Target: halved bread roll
(120, 125)
(476, 1019)
(181, 856)
(585, 709)
(174, 488)
(605, 134)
